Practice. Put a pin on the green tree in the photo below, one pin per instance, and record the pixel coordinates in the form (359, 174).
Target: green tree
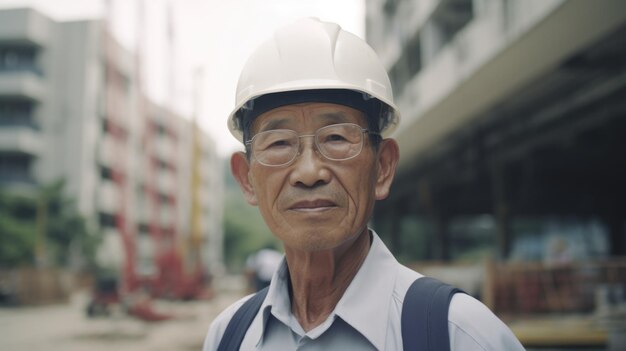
(45, 218)
(17, 229)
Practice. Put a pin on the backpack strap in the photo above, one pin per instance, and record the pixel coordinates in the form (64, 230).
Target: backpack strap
(425, 315)
(238, 326)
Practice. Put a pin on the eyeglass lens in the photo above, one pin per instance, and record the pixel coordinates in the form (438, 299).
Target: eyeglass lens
(336, 142)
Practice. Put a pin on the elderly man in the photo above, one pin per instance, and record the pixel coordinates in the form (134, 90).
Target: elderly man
(314, 108)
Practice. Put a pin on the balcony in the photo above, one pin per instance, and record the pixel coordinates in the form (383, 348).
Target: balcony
(25, 25)
(21, 83)
(20, 139)
(106, 151)
(108, 197)
(465, 78)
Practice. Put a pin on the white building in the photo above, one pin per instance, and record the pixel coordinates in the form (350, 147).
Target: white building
(71, 108)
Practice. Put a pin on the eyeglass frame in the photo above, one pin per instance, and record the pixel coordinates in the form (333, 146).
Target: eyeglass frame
(248, 143)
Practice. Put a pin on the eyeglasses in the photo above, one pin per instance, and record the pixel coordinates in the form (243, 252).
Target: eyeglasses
(336, 142)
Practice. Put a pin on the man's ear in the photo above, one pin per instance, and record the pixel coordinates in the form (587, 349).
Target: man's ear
(240, 168)
(388, 156)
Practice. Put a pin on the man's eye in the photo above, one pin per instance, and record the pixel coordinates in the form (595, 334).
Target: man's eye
(334, 138)
(280, 143)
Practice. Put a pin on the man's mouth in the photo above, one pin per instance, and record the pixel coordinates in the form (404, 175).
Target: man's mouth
(313, 205)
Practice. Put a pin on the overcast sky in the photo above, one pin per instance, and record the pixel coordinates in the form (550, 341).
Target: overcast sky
(215, 36)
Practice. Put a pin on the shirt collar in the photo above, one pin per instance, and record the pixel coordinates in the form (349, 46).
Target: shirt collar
(277, 301)
(372, 287)
(373, 283)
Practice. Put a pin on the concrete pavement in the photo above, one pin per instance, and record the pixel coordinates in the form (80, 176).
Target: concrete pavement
(66, 327)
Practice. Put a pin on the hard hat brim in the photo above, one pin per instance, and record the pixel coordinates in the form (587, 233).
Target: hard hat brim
(236, 128)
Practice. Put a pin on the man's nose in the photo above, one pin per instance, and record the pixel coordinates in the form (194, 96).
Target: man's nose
(309, 168)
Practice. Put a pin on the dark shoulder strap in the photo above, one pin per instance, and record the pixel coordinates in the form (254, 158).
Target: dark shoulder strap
(238, 326)
(425, 315)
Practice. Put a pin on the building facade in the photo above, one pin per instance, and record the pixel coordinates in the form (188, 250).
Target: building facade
(510, 110)
(71, 108)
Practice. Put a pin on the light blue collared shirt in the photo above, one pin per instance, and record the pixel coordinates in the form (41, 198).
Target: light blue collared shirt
(367, 317)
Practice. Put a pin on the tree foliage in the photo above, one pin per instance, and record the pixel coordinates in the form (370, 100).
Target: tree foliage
(44, 218)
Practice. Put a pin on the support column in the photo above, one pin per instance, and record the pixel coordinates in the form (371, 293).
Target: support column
(394, 229)
(434, 209)
(501, 210)
(617, 236)
(442, 233)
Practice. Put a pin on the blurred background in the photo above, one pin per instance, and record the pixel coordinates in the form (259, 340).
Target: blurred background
(121, 226)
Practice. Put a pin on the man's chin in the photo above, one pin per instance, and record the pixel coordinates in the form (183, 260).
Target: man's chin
(319, 237)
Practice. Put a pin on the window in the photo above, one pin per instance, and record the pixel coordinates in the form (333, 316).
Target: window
(17, 113)
(15, 167)
(18, 58)
(407, 66)
(107, 220)
(450, 17)
(106, 173)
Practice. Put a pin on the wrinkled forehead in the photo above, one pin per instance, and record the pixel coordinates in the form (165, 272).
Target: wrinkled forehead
(307, 115)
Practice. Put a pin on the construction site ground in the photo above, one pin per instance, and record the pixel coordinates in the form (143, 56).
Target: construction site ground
(66, 326)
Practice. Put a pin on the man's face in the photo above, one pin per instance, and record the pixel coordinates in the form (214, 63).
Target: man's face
(313, 203)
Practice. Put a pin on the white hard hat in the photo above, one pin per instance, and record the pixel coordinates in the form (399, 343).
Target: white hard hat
(313, 55)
